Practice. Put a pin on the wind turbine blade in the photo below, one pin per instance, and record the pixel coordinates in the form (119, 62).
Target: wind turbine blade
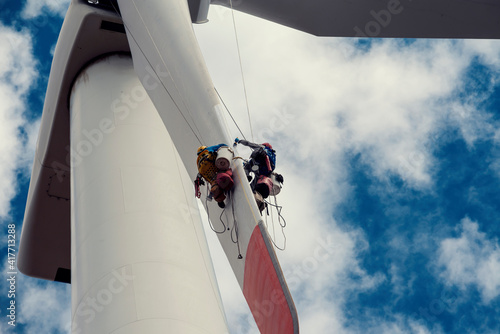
(392, 18)
(170, 66)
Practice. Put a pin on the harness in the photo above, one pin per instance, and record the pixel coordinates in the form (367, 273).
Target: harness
(206, 165)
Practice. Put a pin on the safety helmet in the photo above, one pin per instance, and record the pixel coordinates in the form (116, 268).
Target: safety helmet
(201, 149)
(267, 145)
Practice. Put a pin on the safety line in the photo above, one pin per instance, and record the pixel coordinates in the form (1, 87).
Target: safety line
(241, 68)
(235, 227)
(161, 81)
(227, 109)
(282, 225)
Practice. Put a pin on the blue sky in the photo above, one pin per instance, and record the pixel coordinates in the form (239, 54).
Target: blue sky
(390, 151)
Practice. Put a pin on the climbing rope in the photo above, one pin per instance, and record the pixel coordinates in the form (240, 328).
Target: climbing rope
(212, 227)
(281, 222)
(161, 81)
(241, 68)
(227, 109)
(235, 240)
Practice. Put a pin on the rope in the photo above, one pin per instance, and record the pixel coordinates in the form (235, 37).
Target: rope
(235, 228)
(163, 85)
(220, 218)
(220, 97)
(227, 109)
(208, 214)
(282, 224)
(241, 68)
(244, 160)
(272, 222)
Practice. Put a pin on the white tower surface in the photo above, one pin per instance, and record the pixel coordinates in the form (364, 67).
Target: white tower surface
(139, 254)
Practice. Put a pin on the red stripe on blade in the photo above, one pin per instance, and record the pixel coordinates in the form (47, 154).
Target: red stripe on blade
(263, 290)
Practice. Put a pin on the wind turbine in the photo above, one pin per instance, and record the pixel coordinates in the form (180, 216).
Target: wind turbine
(111, 207)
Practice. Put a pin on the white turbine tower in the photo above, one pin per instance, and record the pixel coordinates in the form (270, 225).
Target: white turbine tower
(111, 207)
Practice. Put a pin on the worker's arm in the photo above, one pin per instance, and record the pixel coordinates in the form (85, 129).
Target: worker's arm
(247, 143)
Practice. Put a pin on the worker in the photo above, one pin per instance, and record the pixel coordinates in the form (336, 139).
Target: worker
(215, 171)
(261, 163)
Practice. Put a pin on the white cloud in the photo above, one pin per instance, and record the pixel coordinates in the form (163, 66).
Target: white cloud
(403, 325)
(495, 160)
(17, 74)
(384, 104)
(321, 262)
(44, 307)
(27, 155)
(320, 101)
(475, 123)
(471, 260)
(40, 306)
(35, 8)
(487, 50)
